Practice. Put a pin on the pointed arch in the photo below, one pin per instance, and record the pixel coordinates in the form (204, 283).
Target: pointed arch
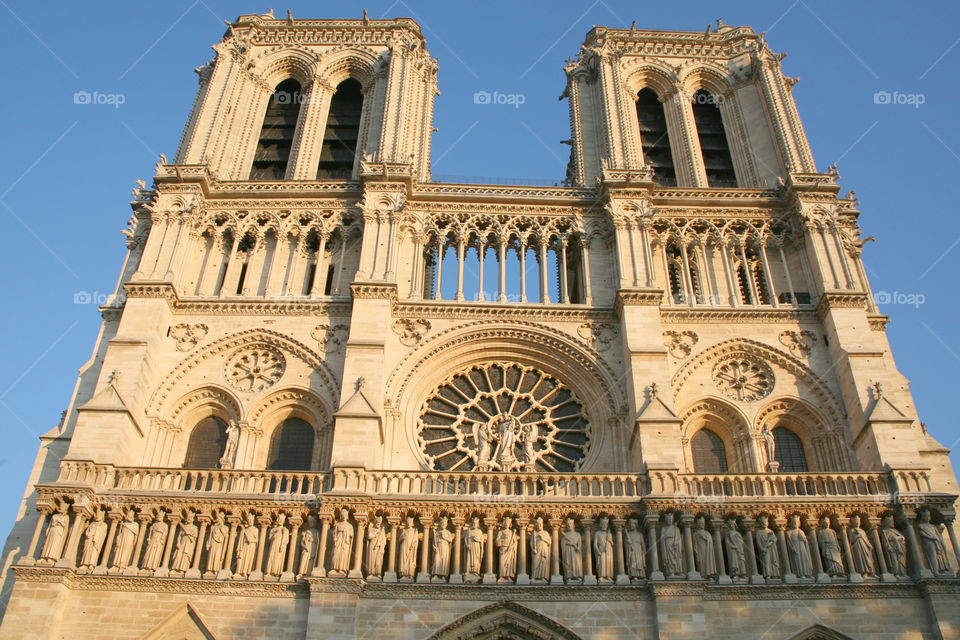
(724, 421)
(819, 632)
(504, 620)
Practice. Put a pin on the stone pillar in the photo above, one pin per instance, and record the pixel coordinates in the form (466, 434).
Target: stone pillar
(424, 574)
(852, 574)
(654, 572)
(685, 521)
(357, 570)
(489, 577)
(29, 558)
(874, 533)
(822, 577)
(948, 523)
(69, 557)
(101, 569)
(755, 577)
(295, 522)
(618, 563)
(144, 519)
(228, 555)
(194, 571)
(555, 577)
(522, 576)
(913, 550)
(162, 571)
(391, 573)
(456, 576)
(785, 569)
(257, 572)
(716, 526)
(588, 575)
(320, 569)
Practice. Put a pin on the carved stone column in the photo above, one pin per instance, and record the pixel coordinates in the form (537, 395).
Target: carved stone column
(320, 569)
(295, 522)
(812, 538)
(685, 521)
(115, 517)
(228, 554)
(194, 571)
(555, 577)
(618, 563)
(913, 549)
(489, 577)
(755, 577)
(852, 574)
(716, 526)
(588, 575)
(29, 558)
(162, 571)
(257, 573)
(948, 523)
(424, 574)
(357, 570)
(456, 577)
(522, 576)
(81, 513)
(134, 567)
(391, 574)
(651, 521)
(874, 533)
(785, 570)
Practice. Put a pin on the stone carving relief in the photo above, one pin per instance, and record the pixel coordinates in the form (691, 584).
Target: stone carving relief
(188, 335)
(411, 331)
(254, 368)
(503, 417)
(743, 378)
(331, 338)
(800, 343)
(600, 334)
(680, 343)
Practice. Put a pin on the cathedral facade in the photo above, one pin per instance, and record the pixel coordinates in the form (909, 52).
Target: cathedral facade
(332, 398)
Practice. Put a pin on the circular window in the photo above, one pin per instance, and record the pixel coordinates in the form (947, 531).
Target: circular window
(503, 417)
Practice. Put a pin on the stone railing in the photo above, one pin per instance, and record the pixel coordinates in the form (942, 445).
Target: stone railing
(783, 485)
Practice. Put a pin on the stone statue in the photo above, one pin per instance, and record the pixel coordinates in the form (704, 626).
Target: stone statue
(703, 554)
(603, 551)
(483, 435)
(279, 538)
(507, 431)
(308, 546)
(507, 545)
(56, 534)
(409, 543)
(93, 541)
(798, 549)
(571, 554)
(228, 459)
(733, 543)
(931, 541)
(861, 550)
(829, 548)
(442, 543)
(670, 537)
(529, 434)
(894, 547)
(186, 543)
(342, 543)
(247, 547)
(539, 553)
(124, 542)
(767, 552)
(376, 543)
(473, 541)
(769, 444)
(635, 550)
(156, 539)
(217, 544)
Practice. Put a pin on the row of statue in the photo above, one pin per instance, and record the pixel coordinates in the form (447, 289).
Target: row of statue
(604, 550)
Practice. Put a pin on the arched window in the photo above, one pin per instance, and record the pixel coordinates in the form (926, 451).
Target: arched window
(207, 442)
(276, 134)
(654, 137)
(709, 454)
(343, 129)
(291, 447)
(713, 141)
(788, 451)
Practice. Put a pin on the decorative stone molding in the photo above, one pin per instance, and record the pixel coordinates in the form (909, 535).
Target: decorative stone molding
(601, 335)
(331, 339)
(800, 343)
(188, 335)
(742, 378)
(252, 369)
(411, 331)
(680, 343)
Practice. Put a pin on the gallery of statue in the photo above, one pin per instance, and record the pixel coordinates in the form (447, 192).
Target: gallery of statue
(333, 398)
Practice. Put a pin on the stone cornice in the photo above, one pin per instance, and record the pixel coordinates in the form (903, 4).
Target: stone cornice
(506, 311)
(638, 297)
(840, 300)
(710, 315)
(239, 306)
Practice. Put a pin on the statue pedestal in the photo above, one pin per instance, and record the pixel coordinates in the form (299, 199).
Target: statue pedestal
(489, 578)
(789, 578)
(318, 572)
(694, 575)
(193, 574)
(854, 578)
(390, 576)
(133, 571)
(355, 573)
(255, 575)
(162, 572)
(724, 579)
(556, 579)
(286, 576)
(773, 466)
(888, 577)
(657, 575)
(523, 578)
(456, 578)
(589, 579)
(757, 579)
(423, 577)
(823, 578)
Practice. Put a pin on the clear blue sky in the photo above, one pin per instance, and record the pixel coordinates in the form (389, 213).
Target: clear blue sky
(67, 170)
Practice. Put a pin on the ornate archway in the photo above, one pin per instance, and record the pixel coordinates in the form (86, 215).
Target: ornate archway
(504, 621)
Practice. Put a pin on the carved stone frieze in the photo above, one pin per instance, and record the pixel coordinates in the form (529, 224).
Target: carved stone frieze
(680, 343)
(800, 343)
(331, 338)
(411, 331)
(254, 368)
(601, 335)
(188, 335)
(743, 378)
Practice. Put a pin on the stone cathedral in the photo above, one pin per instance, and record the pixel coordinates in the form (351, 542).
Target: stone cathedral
(333, 398)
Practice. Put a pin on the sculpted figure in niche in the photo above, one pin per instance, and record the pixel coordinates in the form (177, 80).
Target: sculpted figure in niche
(636, 550)
(279, 537)
(861, 550)
(342, 543)
(670, 537)
(217, 544)
(308, 546)
(186, 543)
(409, 543)
(247, 547)
(156, 539)
(767, 549)
(798, 548)
(733, 543)
(769, 443)
(894, 547)
(931, 541)
(56, 535)
(703, 553)
(93, 541)
(376, 543)
(529, 436)
(603, 551)
(473, 540)
(539, 553)
(442, 543)
(507, 430)
(829, 548)
(124, 542)
(572, 556)
(507, 545)
(484, 436)
(228, 459)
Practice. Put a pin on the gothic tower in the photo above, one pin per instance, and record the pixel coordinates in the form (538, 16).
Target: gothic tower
(333, 398)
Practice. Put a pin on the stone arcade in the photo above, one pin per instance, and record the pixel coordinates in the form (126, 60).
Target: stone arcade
(678, 417)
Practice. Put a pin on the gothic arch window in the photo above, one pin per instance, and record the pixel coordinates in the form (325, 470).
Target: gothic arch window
(342, 132)
(276, 134)
(709, 454)
(207, 442)
(655, 138)
(789, 451)
(714, 148)
(291, 446)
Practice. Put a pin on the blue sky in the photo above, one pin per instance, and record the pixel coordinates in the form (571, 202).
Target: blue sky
(67, 169)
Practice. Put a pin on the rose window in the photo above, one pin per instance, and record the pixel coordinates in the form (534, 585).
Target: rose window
(743, 378)
(255, 369)
(503, 417)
